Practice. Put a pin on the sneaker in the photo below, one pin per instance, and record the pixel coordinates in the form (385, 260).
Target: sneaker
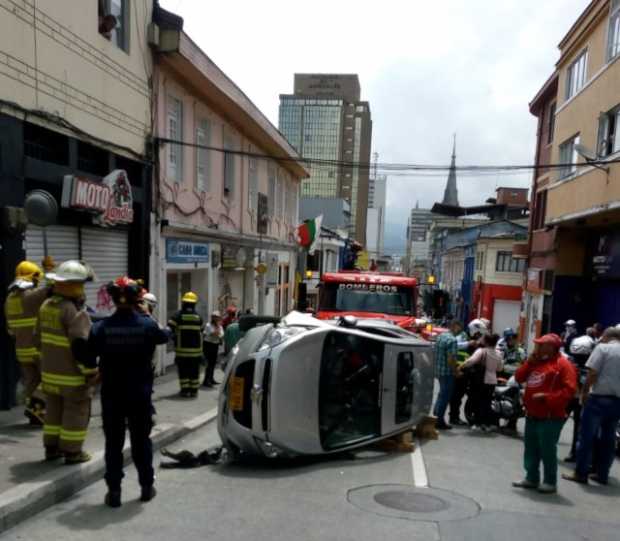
(547, 489)
(575, 478)
(458, 422)
(487, 428)
(77, 458)
(442, 425)
(113, 498)
(148, 493)
(475, 428)
(525, 483)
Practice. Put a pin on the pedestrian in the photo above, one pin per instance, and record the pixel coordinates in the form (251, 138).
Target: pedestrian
(186, 325)
(513, 356)
(62, 329)
(445, 369)
(580, 350)
(125, 343)
(488, 362)
(232, 335)
(212, 338)
(551, 382)
(229, 316)
(569, 334)
(601, 410)
(21, 310)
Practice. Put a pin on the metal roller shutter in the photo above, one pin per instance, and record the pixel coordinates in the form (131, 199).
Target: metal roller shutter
(107, 252)
(62, 243)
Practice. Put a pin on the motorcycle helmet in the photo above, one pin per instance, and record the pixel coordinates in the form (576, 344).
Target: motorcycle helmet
(510, 333)
(477, 327)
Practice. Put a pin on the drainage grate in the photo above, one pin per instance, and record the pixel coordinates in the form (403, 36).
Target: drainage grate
(412, 502)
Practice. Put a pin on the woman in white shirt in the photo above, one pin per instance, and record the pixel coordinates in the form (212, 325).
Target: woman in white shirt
(211, 340)
(489, 360)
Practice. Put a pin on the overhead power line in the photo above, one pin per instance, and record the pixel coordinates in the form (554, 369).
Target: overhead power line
(410, 168)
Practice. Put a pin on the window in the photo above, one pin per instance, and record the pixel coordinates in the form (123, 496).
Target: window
(479, 261)
(568, 157)
(609, 133)
(175, 132)
(506, 263)
(114, 22)
(551, 124)
(280, 186)
(540, 210)
(229, 167)
(202, 155)
(614, 31)
(576, 76)
(252, 183)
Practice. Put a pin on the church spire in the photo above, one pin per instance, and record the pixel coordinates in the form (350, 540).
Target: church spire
(451, 196)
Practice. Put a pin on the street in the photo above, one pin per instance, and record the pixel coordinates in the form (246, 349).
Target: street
(366, 496)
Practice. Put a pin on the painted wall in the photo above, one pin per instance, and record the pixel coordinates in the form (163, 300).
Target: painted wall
(54, 59)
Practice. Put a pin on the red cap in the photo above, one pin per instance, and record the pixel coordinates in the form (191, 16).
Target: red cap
(552, 339)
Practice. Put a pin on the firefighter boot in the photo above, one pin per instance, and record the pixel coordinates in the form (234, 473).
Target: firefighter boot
(77, 458)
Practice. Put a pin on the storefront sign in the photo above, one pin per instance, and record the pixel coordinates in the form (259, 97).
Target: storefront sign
(186, 251)
(110, 200)
(229, 257)
(272, 269)
(606, 260)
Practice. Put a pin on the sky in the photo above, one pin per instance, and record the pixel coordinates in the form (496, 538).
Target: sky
(428, 69)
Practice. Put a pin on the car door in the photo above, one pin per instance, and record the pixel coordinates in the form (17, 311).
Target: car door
(398, 388)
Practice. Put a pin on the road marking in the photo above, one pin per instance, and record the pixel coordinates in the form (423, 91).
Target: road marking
(420, 478)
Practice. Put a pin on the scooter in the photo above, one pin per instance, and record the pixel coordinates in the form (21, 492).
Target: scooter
(507, 401)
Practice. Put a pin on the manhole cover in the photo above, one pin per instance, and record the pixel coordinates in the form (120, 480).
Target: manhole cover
(412, 502)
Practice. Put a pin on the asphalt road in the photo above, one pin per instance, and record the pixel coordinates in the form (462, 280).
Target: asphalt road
(366, 496)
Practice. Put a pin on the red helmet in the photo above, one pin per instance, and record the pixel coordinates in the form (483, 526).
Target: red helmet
(124, 291)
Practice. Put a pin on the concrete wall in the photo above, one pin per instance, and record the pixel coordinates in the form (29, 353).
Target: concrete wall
(54, 59)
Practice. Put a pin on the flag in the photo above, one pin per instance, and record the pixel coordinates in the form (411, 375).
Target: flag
(309, 232)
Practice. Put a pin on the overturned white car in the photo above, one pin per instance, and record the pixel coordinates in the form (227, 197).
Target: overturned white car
(301, 386)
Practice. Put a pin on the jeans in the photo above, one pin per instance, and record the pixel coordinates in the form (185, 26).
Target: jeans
(446, 386)
(541, 444)
(460, 388)
(600, 417)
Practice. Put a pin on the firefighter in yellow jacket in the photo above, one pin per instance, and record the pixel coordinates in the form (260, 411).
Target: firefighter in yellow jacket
(186, 326)
(62, 332)
(21, 310)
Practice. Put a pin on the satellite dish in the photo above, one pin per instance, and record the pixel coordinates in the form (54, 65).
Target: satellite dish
(586, 153)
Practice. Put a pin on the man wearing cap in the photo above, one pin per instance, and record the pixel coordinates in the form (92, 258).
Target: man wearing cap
(212, 338)
(551, 382)
(569, 334)
(601, 410)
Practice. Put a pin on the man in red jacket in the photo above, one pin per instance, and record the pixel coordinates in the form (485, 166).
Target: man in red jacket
(551, 382)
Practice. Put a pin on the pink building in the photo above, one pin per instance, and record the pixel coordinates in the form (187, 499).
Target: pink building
(219, 211)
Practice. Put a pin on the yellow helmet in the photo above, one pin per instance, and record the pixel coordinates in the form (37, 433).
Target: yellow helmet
(190, 297)
(28, 271)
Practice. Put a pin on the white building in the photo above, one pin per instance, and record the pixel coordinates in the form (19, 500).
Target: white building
(375, 221)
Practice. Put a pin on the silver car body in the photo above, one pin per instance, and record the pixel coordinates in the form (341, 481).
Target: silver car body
(288, 388)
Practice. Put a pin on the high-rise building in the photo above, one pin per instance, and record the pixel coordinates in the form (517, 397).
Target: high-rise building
(375, 221)
(325, 119)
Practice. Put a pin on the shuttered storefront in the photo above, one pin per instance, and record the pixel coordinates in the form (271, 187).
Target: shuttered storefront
(105, 250)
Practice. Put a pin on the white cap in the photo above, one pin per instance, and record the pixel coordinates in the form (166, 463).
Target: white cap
(216, 313)
(570, 323)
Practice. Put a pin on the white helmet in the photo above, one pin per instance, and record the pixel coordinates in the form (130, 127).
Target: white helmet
(570, 323)
(71, 271)
(150, 299)
(477, 326)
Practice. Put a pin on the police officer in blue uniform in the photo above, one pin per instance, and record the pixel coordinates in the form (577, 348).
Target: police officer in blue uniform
(125, 343)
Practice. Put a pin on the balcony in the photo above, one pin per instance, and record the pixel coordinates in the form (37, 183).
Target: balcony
(543, 241)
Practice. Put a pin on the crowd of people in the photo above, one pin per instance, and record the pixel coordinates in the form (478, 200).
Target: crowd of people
(565, 375)
(64, 356)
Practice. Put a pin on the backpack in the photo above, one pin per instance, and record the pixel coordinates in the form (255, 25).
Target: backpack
(583, 345)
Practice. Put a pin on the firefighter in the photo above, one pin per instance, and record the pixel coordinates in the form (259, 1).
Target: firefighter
(125, 343)
(21, 309)
(62, 331)
(186, 325)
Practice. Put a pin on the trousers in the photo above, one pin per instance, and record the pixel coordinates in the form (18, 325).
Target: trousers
(541, 445)
(66, 419)
(446, 385)
(211, 351)
(458, 393)
(131, 410)
(189, 372)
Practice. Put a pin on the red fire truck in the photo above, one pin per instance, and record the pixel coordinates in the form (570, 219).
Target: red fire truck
(390, 296)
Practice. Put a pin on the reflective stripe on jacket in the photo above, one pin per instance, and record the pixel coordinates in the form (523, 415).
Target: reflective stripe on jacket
(21, 309)
(187, 326)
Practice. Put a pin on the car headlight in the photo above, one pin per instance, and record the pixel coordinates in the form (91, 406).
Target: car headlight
(269, 449)
(278, 335)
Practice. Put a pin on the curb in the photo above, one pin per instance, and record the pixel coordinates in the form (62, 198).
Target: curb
(32, 497)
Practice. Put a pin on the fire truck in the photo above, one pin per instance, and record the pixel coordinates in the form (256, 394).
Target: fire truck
(373, 295)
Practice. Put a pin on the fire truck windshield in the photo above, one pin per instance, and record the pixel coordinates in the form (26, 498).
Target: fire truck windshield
(364, 297)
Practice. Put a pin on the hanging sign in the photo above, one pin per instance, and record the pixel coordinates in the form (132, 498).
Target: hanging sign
(110, 200)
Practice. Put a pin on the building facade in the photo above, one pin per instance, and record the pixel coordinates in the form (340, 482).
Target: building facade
(375, 221)
(326, 120)
(75, 119)
(577, 203)
(224, 225)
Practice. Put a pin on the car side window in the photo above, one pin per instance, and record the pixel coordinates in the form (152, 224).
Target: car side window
(404, 387)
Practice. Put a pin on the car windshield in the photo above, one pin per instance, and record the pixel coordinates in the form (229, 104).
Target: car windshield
(349, 404)
(377, 298)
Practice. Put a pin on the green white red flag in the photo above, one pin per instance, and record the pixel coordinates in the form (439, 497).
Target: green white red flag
(309, 232)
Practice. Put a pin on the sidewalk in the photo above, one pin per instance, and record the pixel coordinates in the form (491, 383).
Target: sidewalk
(29, 485)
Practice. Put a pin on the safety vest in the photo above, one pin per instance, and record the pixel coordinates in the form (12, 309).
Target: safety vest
(187, 327)
(21, 309)
(60, 322)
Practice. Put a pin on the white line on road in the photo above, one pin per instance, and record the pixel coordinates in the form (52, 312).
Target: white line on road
(420, 478)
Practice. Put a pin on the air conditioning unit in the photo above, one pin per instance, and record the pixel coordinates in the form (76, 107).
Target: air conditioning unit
(152, 35)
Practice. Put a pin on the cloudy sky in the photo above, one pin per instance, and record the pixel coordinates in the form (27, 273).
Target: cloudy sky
(428, 69)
